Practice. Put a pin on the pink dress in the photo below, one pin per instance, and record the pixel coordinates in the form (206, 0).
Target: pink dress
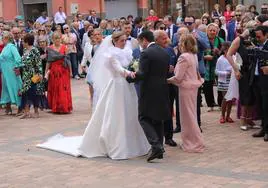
(187, 79)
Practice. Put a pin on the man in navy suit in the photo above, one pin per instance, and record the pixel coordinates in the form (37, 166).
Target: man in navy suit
(93, 19)
(16, 32)
(171, 27)
(138, 28)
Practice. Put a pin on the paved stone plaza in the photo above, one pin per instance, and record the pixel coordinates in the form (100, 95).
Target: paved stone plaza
(233, 159)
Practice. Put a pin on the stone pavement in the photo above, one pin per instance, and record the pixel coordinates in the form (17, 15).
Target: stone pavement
(233, 159)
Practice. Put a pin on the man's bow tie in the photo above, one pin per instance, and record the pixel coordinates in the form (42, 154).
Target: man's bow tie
(129, 38)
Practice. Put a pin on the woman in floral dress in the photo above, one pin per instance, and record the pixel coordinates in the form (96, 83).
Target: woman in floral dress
(32, 75)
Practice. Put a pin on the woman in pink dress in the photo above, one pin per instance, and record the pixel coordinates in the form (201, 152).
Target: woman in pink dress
(188, 80)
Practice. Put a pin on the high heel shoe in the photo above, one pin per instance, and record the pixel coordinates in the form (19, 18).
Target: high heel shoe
(8, 111)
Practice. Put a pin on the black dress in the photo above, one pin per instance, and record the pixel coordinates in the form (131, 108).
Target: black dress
(246, 93)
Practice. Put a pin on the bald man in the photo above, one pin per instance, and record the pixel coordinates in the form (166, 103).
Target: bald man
(16, 32)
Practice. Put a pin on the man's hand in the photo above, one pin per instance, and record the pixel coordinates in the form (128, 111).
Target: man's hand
(17, 71)
(265, 70)
(132, 75)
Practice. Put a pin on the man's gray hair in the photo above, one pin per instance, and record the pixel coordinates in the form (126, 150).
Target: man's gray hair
(158, 33)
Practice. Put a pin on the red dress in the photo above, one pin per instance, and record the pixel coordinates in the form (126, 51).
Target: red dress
(59, 86)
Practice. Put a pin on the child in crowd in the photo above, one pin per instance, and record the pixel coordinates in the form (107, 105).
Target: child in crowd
(223, 70)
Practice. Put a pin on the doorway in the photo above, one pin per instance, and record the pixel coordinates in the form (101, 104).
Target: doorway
(33, 11)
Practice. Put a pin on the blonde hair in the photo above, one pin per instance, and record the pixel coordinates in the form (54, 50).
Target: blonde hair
(188, 43)
(56, 34)
(7, 35)
(116, 35)
(212, 25)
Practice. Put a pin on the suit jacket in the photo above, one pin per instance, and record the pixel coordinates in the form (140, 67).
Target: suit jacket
(78, 44)
(19, 47)
(81, 33)
(173, 32)
(136, 31)
(231, 31)
(152, 74)
(91, 20)
(264, 78)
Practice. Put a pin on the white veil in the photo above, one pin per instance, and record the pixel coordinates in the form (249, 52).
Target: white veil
(98, 71)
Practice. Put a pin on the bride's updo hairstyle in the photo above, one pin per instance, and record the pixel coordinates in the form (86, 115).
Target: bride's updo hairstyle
(116, 35)
(188, 44)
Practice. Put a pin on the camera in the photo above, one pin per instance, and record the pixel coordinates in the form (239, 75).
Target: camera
(259, 55)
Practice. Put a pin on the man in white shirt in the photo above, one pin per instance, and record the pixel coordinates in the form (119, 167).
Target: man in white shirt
(43, 18)
(60, 17)
(131, 42)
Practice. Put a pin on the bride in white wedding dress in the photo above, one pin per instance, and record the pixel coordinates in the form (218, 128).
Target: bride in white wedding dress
(113, 130)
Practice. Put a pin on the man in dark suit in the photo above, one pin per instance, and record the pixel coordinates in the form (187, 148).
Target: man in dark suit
(171, 27)
(16, 32)
(262, 72)
(138, 28)
(154, 99)
(93, 19)
(75, 30)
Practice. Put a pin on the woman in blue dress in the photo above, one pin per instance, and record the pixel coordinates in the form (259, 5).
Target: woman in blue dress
(10, 62)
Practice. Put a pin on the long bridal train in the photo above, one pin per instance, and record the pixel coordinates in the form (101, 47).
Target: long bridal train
(113, 130)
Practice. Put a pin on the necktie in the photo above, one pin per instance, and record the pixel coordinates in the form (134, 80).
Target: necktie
(18, 44)
(92, 51)
(169, 32)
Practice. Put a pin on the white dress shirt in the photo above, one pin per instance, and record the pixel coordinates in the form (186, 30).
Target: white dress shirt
(60, 18)
(42, 20)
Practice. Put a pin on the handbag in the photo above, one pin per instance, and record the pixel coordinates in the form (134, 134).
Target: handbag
(35, 79)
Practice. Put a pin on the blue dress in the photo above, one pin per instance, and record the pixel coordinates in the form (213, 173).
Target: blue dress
(11, 83)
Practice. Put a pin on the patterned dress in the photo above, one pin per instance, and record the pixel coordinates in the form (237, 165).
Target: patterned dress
(32, 66)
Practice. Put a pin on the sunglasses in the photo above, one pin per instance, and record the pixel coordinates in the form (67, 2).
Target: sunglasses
(188, 23)
(66, 28)
(48, 25)
(162, 28)
(238, 15)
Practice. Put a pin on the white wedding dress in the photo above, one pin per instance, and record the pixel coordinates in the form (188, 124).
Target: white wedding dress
(113, 130)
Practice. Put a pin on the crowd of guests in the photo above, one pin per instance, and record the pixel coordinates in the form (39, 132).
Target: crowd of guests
(38, 61)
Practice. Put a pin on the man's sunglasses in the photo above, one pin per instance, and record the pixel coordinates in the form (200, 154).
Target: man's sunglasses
(162, 28)
(188, 23)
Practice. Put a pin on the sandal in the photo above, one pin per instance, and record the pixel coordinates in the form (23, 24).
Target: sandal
(250, 122)
(229, 120)
(25, 116)
(222, 120)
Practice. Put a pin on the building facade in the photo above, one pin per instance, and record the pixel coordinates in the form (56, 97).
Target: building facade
(31, 9)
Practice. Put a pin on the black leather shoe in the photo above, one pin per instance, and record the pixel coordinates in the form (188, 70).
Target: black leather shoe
(259, 134)
(265, 137)
(160, 156)
(156, 154)
(177, 130)
(171, 143)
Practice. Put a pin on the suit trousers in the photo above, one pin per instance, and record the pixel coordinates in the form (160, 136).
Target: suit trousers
(265, 111)
(74, 62)
(168, 124)
(199, 102)
(258, 98)
(209, 94)
(154, 131)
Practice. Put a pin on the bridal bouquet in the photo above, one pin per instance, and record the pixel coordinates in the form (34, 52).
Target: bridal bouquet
(134, 65)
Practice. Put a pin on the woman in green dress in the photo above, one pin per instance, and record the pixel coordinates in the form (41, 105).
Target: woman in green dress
(211, 56)
(10, 63)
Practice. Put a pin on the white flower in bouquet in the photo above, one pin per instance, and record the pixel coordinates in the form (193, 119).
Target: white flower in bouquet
(135, 65)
